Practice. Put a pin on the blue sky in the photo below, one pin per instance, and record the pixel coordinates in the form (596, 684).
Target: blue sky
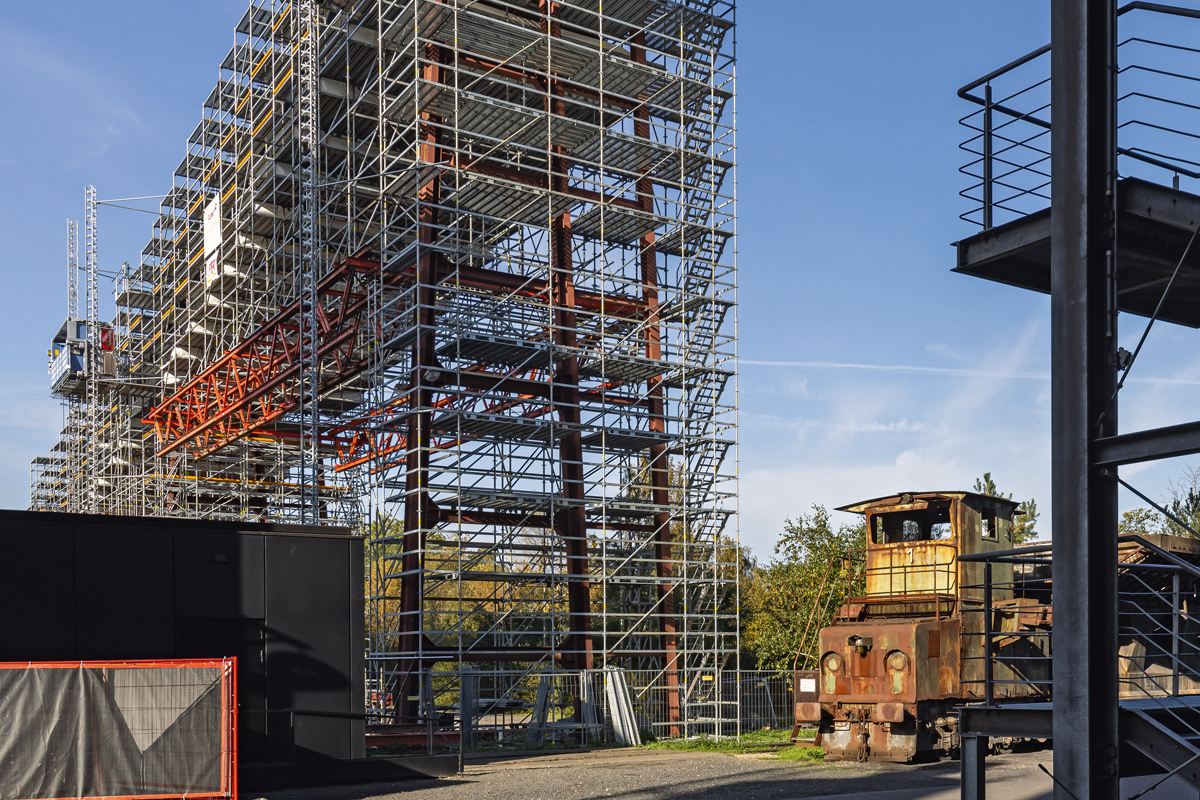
(867, 366)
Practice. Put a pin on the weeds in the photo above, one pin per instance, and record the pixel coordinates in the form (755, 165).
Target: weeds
(764, 741)
(801, 754)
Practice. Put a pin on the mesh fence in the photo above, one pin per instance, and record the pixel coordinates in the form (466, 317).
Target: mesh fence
(129, 729)
(561, 707)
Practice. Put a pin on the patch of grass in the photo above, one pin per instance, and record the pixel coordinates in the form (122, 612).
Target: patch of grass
(700, 744)
(767, 736)
(801, 754)
(777, 741)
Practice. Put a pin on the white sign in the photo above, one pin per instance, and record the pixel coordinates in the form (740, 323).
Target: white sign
(212, 226)
(808, 684)
(211, 270)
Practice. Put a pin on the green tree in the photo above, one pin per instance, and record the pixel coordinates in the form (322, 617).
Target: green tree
(1025, 518)
(1024, 522)
(1139, 521)
(1183, 501)
(787, 601)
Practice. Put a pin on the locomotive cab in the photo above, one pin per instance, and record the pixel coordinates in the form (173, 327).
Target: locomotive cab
(905, 648)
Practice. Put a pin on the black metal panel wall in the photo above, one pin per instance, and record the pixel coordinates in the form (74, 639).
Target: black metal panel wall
(287, 601)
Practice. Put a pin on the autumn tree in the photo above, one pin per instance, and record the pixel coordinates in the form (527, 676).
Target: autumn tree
(787, 601)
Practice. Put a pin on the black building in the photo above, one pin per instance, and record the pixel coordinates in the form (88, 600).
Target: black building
(286, 600)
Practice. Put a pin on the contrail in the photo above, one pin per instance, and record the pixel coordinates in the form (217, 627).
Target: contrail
(952, 371)
(965, 373)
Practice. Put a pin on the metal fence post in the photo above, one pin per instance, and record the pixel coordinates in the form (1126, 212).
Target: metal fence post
(430, 708)
(467, 697)
(987, 156)
(988, 676)
(1175, 635)
(464, 717)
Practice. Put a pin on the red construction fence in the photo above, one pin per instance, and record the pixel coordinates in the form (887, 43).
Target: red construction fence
(119, 729)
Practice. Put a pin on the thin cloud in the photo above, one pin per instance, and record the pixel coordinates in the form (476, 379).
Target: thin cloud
(963, 373)
(944, 350)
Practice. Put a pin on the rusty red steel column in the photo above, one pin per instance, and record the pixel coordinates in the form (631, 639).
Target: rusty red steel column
(659, 464)
(570, 522)
(420, 424)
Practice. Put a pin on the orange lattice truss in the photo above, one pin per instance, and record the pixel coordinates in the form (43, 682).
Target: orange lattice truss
(259, 380)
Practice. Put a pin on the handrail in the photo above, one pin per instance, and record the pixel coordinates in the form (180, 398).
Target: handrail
(1160, 8)
(1186, 566)
(1016, 551)
(1163, 641)
(1018, 195)
(1025, 59)
(1136, 5)
(816, 609)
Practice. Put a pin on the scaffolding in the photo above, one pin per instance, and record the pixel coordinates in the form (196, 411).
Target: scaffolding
(458, 274)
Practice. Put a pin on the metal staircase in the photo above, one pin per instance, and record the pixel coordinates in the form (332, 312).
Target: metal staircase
(1158, 660)
(702, 305)
(1167, 732)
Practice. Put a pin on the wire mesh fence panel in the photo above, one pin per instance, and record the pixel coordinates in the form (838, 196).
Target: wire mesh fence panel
(568, 708)
(765, 701)
(118, 729)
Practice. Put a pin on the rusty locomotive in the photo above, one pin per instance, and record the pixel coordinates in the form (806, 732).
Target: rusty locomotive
(907, 648)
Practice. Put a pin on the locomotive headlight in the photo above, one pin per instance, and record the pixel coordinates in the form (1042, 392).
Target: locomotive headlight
(897, 661)
(832, 663)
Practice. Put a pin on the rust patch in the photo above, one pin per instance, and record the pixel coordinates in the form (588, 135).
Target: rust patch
(888, 712)
(808, 712)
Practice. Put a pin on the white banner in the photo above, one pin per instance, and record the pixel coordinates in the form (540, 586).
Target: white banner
(212, 226)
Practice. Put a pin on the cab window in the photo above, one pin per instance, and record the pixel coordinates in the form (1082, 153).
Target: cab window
(890, 527)
(988, 529)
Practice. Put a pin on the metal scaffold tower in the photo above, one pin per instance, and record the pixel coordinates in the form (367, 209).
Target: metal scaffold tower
(91, 395)
(459, 275)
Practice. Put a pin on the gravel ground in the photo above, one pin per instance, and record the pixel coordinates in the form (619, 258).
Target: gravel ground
(669, 775)
(666, 775)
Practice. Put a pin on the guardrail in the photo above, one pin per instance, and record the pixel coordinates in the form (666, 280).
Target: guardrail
(1158, 115)
(1158, 624)
(905, 568)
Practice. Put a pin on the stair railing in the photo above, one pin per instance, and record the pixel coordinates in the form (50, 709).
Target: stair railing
(1158, 631)
(1008, 144)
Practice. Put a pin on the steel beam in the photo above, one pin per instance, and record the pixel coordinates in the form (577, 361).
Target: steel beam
(1083, 379)
(1131, 448)
(1025, 720)
(1160, 744)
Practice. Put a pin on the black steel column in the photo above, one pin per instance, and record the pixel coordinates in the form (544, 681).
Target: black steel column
(972, 763)
(1083, 342)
